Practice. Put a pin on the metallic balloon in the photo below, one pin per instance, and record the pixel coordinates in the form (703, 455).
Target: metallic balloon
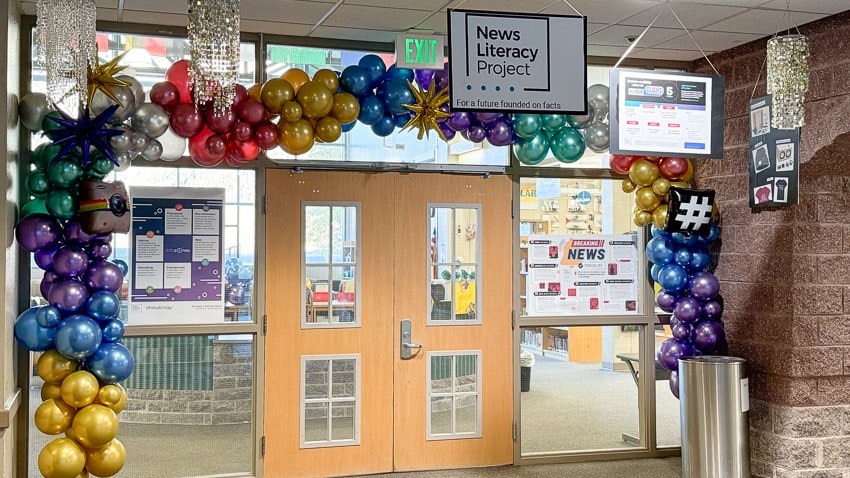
(78, 337)
(61, 458)
(173, 145)
(112, 363)
(124, 161)
(95, 425)
(50, 390)
(120, 143)
(597, 95)
(53, 367)
(150, 119)
(32, 109)
(113, 396)
(596, 137)
(100, 102)
(79, 389)
(582, 121)
(135, 87)
(107, 460)
(152, 151)
(138, 141)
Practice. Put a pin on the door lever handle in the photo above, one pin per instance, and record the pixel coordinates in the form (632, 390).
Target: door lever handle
(404, 340)
(412, 346)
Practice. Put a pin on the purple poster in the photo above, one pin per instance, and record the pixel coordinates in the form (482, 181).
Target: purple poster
(176, 254)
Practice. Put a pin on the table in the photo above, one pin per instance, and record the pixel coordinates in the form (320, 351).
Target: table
(315, 307)
(661, 373)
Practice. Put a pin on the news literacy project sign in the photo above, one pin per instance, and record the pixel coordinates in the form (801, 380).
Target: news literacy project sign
(517, 62)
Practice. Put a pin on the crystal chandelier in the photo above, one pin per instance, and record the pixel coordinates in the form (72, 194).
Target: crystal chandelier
(214, 48)
(66, 43)
(788, 79)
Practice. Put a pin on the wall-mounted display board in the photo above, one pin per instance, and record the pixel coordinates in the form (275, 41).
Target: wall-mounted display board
(774, 159)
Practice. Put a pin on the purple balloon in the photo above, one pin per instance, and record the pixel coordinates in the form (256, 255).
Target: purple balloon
(665, 300)
(448, 132)
(442, 78)
(75, 233)
(671, 350)
(500, 132)
(47, 282)
(424, 77)
(44, 259)
(476, 133)
(682, 331)
(674, 321)
(703, 285)
(236, 294)
(100, 250)
(38, 232)
(687, 309)
(712, 310)
(104, 275)
(445, 109)
(68, 295)
(674, 383)
(459, 121)
(70, 261)
(707, 335)
(486, 118)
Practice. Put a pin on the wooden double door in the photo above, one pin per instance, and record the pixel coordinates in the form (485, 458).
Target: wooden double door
(358, 265)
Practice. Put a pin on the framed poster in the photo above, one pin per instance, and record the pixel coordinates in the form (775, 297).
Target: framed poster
(774, 158)
(176, 250)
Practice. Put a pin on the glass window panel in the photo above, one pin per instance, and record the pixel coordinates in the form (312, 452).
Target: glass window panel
(466, 373)
(342, 422)
(667, 418)
(316, 422)
(344, 228)
(316, 379)
(317, 230)
(442, 236)
(441, 374)
(466, 228)
(453, 268)
(247, 192)
(344, 378)
(441, 415)
(466, 414)
(441, 301)
(464, 294)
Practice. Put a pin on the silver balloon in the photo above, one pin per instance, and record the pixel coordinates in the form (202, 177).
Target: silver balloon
(100, 102)
(582, 121)
(596, 136)
(597, 95)
(135, 87)
(150, 119)
(124, 161)
(120, 143)
(173, 146)
(32, 109)
(152, 151)
(138, 141)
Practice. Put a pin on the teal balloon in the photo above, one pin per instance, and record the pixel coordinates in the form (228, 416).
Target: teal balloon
(38, 184)
(35, 206)
(553, 123)
(102, 165)
(61, 204)
(65, 172)
(525, 125)
(567, 145)
(47, 124)
(43, 155)
(532, 150)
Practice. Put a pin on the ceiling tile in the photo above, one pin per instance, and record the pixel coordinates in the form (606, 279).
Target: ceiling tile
(602, 12)
(436, 23)
(430, 5)
(287, 11)
(527, 6)
(709, 41)
(106, 4)
(603, 50)
(156, 6)
(153, 18)
(376, 18)
(276, 28)
(353, 34)
(660, 54)
(814, 6)
(693, 15)
(764, 22)
(615, 35)
(728, 3)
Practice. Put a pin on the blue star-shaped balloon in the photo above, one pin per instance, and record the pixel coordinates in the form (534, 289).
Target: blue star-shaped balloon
(84, 132)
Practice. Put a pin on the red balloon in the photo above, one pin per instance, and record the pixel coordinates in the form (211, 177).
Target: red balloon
(266, 135)
(216, 145)
(178, 75)
(220, 122)
(673, 168)
(233, 162)
(242, 150)
(242, 131)
(241, 95)
(251, 111)
(165, 94)
(186, 121)
(198, 150)
(620, 163)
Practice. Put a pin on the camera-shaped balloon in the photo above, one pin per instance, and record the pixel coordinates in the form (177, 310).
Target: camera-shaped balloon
(104, 207)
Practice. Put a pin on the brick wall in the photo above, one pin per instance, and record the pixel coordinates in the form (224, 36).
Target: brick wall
(785, 273)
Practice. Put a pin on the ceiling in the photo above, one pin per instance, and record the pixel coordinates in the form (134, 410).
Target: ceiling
(716, 25)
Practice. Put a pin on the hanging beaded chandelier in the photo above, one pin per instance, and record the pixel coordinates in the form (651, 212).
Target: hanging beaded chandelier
(788, 79)
(214, 49)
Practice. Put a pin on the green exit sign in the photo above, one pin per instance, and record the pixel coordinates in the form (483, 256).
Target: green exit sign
(424, 52)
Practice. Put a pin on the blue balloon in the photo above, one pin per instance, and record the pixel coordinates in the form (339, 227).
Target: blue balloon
(686, 239)
(656, 232)
(113, 331)
(375, 66)
(30, 334)
(699, 261)
(355, 79)
(233, 262)
(672, 278)
(384, 127)
(405, 74)
(371, 109)
(349, 126)
(231, 273)
(111, 363)
(121, 265)
(48, 316)
(401, 120)
(660, 250)
(395, 93)
(78, 336)
(683, 256)
(103, 305)
(713, 233)
(653, 272)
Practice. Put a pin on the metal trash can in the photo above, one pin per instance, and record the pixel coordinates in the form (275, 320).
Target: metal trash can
(714, 403)
(526, 361)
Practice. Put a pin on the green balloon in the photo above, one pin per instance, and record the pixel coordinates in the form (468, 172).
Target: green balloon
(525, 125)
(35, 206)
(49, 125)
(61, 204)
(65, 172)
(38, 184)
(532, 150)
(567, 145)
(101, 165)
(552, 123)
(43, 155)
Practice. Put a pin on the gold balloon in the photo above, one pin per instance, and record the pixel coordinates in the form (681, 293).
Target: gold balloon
(315, 99)
(54, 416)
(61, 458)
(275, 93)
(113, 396)
(70, 433)
(346, 108)
(295, 137)
(83, 474)
(107, 460)
(95, 425)
(50, 390)
(643, 172)
(661, 186)
(690, 172)
(296, 77)
(328, 78)
(328, 129)
(646, 199)
(255, 91)
(79, 389)
(642, 218)
(628, 186)
(292, 111)
(53, 367)
(659, 216)
(680, 184)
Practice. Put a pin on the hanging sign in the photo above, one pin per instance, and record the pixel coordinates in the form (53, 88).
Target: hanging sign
(176, 254)
(517, 62)
(774, 159)
(666, 114)
(423, 52)
(581, 275)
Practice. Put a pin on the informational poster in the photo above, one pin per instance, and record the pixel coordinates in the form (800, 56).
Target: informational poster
(517, 62)
(774, 159)
(176, 255)
(580, 275)
(666, 114)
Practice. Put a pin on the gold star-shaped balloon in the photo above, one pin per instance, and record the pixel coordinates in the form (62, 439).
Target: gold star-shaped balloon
(427, 109)
(102, 77)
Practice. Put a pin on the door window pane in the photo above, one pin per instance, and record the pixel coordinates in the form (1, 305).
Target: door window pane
(454, 273)
(454, 390)
(330, 391)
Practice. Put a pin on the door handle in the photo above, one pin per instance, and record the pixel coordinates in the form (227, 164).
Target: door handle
(404, 338)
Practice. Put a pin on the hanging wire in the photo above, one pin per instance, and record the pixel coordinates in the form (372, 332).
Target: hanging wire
(574, 8)
(637, 40)
(692, 38)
